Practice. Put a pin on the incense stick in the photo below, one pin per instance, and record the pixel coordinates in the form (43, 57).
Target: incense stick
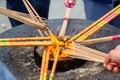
(20, 18)
(99, 40)
(43, 65)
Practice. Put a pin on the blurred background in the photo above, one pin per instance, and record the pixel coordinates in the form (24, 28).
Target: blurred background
(57, 10)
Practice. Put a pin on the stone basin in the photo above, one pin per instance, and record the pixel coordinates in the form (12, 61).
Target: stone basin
(87, 71)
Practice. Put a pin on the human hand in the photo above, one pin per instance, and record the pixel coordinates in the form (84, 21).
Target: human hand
(112, 60)
(66, 2)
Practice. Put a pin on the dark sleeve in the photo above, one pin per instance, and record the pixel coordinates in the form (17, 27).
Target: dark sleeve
(116, 2)
(41, 6)
(105, 1)
(5, 74)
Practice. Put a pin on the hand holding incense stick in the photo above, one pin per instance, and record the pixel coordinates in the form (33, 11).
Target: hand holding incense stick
(99, 25)
(112, 61)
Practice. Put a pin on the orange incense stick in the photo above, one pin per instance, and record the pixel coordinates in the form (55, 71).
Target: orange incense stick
(99, 25)
(28, 43)
(98, 40)
(24, 39)
(46, 63)
(43, 65)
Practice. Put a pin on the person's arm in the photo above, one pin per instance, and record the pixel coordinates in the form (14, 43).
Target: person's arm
(112, 60)
(67, 1)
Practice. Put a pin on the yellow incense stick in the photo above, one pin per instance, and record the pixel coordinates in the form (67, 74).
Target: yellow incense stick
(46, 63)
(24, 39)
(43, 65)
(92, 25)
(98, 26)
(57, 50)
(29, 43)
(20, 18)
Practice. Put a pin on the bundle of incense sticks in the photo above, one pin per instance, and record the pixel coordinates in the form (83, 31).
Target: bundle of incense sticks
(34, 15)
(23, 14)
(21, 18)
(65, 22)
(45, 63)
(82, 52)
(96, 25)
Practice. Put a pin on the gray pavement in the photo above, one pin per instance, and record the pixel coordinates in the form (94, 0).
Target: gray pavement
(4, 22)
